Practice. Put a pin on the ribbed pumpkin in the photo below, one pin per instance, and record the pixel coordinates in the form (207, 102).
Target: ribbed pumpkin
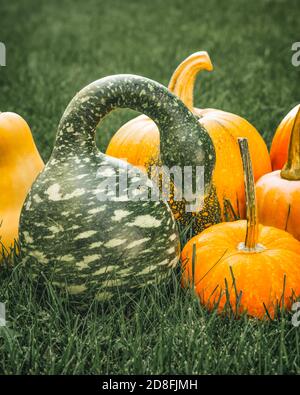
(280, 143)
(84, 236)
(278, 193)
(138, 142)
(20, 163)
(253, 267)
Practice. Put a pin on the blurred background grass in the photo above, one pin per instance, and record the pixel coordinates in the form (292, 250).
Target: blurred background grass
(54, 48)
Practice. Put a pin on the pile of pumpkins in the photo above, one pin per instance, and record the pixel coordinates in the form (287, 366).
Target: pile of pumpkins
(95, 248)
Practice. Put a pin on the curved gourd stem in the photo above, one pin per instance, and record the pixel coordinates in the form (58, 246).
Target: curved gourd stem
(183, 79)
(291, 170)
(252, 220)
(183, 141)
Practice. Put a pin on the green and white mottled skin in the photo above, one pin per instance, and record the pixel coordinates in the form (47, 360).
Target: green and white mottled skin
(93, 246)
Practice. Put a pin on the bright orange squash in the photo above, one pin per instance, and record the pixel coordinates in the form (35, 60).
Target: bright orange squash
(251, 267)
(20, 163)
(280, 143)
(138, 142)
(278, 193)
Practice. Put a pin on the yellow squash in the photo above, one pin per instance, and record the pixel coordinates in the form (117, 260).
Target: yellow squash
(20, 163)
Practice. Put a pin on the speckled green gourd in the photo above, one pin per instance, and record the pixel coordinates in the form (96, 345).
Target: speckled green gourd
(93, 247)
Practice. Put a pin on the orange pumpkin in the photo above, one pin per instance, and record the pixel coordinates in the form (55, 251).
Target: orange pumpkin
(278, 193)
(20, 163)
(253, 276)
(138, 142)
(280, 143)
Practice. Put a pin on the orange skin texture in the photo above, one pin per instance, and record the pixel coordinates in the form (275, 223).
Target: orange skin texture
(225, 128)
(138, 142)
(259, 275)
(279, 202)
(20, 163)
(281, 139)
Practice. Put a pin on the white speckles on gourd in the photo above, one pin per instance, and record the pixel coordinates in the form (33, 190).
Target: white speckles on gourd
(145, 221)
(70, 129)
(125, 272)
(109, 172)
(76, 289)
(67, 258)
(173, 237)
(173, 262)
(164, 262)
(96, 244)
(27, 237)
(97, 210)
(53, 193)
(40, 256)
(147, 270)
(77, 192)
(80, 176)
(171, 250)
(37, 198)
(85, 235)
(28, 204)
(136, 243)
(114, 243)
(55, 228)
(120, 214)
(105, 269)
(91, 258)
(115, 282)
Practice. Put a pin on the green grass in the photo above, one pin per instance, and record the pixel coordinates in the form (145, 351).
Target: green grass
(55, 48)
(162, 330)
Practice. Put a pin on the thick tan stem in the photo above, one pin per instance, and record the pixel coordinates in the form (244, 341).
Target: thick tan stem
(252, 220)
(183, 79)
(291, 170)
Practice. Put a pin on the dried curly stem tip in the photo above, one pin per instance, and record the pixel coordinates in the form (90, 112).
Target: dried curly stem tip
(291, 170)
(250, 243)
(183, 79)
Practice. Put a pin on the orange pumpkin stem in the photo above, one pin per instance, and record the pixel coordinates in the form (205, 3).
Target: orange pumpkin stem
(291, 170)
(251, 204)
(183, 79)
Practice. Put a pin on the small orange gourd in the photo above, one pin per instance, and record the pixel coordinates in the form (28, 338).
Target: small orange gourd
(20, 163)
(138, 142)
(254, 267)
(278, 193)
(280, 143)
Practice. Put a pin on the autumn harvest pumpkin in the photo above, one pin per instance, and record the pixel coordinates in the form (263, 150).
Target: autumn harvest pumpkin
(280, 143)
(20, 163)
(75, 228)
(250, 267)
(138, 142)
(278, 193)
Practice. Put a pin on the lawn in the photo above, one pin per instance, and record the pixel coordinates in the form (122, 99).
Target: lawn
(55, 48)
